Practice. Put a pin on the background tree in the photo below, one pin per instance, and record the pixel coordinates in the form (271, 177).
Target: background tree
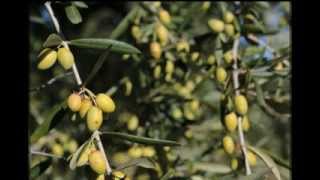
(201, 90)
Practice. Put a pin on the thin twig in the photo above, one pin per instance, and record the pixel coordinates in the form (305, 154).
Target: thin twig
(51, 81)
(46, 154)
(258, 41)
(58, 29)
(236, 85)
(35, 113)
(96, 135)
(267, 97)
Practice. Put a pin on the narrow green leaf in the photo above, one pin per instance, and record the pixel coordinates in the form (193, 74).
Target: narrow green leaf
(75, 156)
(52, 40)
(261, 73)
(268, 161)
(141, 162)
(263, 4)
(40, 168)
(259, 92)
(252, 28)
(53, 117)
(124, 24)
(73, 14)
(212, 167)
(278, 160)
(142, 140)
(168, 175)
(36, 19)
(80, 4)
(117, 46)
(97, 66)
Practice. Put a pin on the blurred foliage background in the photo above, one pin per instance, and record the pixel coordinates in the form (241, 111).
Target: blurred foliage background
(184, 106)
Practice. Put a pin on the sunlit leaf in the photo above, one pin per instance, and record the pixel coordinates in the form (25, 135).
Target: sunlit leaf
(98, 43)
(142, 140)
(52, 40)
(268, 161)
(73, 14)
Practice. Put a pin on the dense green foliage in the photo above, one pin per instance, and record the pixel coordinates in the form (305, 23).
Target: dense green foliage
(171, 103)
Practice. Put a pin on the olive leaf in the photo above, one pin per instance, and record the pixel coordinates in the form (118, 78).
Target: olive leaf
(168, 175)
(98, 43)
(53, 117)
(80, 4)
(73, 14)
(261, 72)
(124, 24)
(40, 168)
(142, 140)
(75, 156)
(268, 161)
(141, 162)
(259, 91)
(52, 40)
(212, 167)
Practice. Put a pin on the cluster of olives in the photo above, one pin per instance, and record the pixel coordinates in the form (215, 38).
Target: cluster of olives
(225, 25)
(93, 157)
(49, 56)
(59, 143)
(92, 107)
(231, 122)
(141, 151)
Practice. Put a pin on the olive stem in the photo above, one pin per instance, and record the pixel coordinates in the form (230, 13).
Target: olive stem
(91, 95)
(235, 80)
(45, 154)
(51, 81)
(58, 29)
(96, 135)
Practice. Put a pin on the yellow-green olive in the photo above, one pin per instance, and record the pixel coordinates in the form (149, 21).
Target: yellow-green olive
(57, 149)
(216, 25)
(94, 118)
(228, 144)
(133, 123)
(136, 32)
(252, 159)
(65, 58)
(183, 45)
(229, 30)
(162, 34)
(105, 103)
(195, 56)
(48, 58)
(135, 152)
(221, 74)
(241, 104)
(230, 121)
(169, 67)
(164, 16)
(86, 104)
(74, 102)
(234, 164)
(97, 162)
(148, 151)
(100, 177)
(228, 17)
(228, 57)
(155, 50)
(245, 123)
(157, 72)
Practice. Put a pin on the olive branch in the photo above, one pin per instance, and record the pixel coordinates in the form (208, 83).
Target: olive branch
(96, 134)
